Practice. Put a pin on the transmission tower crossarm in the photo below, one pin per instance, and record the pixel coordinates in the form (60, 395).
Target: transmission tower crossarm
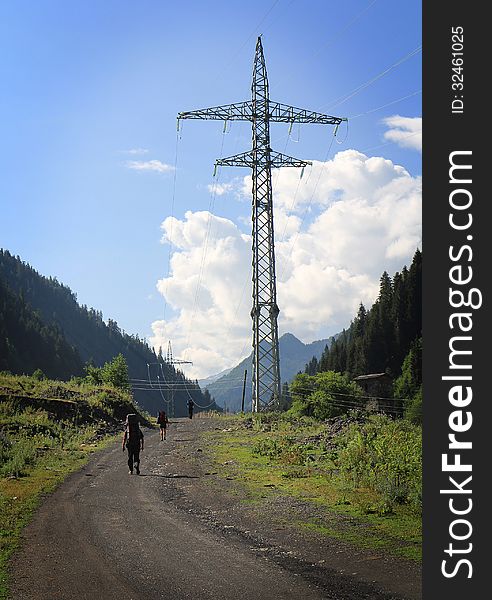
(277, 159)
(247, 159)
(283, 113)
(241, 111)
(244, 159)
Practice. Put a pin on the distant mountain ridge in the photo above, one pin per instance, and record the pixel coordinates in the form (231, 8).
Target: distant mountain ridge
(76, 331)
(294, 355)
(203, 383)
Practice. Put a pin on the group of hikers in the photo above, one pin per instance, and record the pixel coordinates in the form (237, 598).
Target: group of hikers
(133, 438)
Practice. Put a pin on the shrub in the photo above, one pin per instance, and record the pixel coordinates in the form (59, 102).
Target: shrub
(413, 409)
(16, 457)
(38, 375)
(386, 456)
(324, 395)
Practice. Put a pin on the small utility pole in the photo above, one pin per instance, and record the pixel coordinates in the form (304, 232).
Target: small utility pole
(244, 390)
(261, 111)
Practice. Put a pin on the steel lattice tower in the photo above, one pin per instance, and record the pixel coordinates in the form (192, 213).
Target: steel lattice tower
(173, 362)
(261, 112)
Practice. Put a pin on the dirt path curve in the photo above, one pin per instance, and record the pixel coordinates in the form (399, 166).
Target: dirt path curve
(106, 535)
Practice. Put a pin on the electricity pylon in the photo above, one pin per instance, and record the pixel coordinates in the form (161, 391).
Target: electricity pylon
(261, 111)
(172, 362)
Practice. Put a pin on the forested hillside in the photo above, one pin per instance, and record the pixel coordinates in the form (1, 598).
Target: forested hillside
(43, 326)
(379, 339)
(385, 339)
(27, 343)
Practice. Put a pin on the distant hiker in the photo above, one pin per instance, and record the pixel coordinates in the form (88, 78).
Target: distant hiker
(191, 405)
(133, 440)
(162, 420)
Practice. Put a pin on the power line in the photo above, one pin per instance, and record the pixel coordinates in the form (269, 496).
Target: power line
(301, 388)
(342, 99)
(170, 237)
(340, 403)
(373, 110)
(335, 36)
(213, 194)
(406, 137)
(308, 205)
(347, 26)
(253, 32)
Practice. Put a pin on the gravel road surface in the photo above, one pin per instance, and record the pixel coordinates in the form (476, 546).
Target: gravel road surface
(105, 534)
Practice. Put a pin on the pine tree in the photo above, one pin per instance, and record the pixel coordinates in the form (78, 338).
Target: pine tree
(385, 322)
(312, 366)
(414, 302)
(398, 317)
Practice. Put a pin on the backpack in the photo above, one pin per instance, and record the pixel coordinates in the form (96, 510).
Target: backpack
(162, 418)
(132, 419)
(134, 433)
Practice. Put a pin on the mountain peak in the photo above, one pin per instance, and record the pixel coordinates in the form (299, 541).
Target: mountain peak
(294, 355)
(289, 336)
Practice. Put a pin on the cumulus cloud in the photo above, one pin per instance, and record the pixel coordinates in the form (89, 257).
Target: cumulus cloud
(208, 272)
(404, 131)
(219, 189)
(336, 229)
(149, 165)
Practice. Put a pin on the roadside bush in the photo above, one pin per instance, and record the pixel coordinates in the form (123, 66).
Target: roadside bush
(384, 455)
(325, 395)
(38, 375)
(15, 457)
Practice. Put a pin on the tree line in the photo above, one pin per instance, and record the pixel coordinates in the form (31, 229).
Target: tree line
(387, 338)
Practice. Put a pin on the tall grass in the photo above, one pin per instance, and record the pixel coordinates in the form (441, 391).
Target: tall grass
(47, 430)
(384, 455)
(40, 415)
(372, 453)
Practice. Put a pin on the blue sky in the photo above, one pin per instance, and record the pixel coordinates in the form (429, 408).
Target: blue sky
(92, 89)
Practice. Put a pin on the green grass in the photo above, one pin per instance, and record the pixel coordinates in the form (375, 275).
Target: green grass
(48, 429)
(281, 455)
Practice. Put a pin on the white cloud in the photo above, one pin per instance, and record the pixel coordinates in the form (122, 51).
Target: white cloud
(336, 230)
(149, 165)
(219, 189)
(136, 151)
(404, 131)
(208, 273)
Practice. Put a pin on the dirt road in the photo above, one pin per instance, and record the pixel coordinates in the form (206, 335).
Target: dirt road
(175, 532)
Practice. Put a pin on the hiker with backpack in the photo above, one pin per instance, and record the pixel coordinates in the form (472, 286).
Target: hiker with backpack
(162, 420)
(133, 441)
(191, 405)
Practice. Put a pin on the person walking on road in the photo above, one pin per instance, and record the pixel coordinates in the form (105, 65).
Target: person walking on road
(162, 420)
(191, 405)
(133, 441)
